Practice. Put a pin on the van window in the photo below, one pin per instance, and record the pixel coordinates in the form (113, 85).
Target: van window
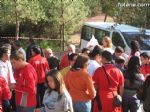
(117, 40)
(99, 34)
(143, 39)
(87, 33)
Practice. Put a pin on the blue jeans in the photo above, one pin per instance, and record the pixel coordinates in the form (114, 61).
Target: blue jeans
(131, 104)
(6, 105)
(25, 109)
(82, 106)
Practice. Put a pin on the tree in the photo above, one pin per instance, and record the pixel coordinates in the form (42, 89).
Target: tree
(64, 17)
(134, 12)
(17, 11)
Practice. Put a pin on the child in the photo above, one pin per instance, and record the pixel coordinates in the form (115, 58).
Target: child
(56, 97)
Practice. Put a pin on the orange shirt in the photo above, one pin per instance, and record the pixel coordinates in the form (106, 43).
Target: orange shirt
(80, 85)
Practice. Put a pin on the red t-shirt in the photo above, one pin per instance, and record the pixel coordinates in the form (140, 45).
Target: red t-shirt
(145, 70)
(105, 90)
(64, 62)
(41, 66)
(5, 93)
(26, 86)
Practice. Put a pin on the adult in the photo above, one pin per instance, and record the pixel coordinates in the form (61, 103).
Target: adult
(5, 93)
(26, 82)
(104, 88)
(31, 43)
(5, 65)
(135, 48)
(80, 85)
(41, 66)
(6, 71)
(120, 63)
(95, 60)
(119, 51)
(133, 80)
(72, 58)
(17, 47)
(64, 62)
(85, 51)
(53, 61)
(107, 44)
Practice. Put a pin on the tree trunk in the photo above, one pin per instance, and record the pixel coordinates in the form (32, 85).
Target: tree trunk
(17, 27)
(62, 26)
(17, 20)
(63, 36)
(105, 17)
(60, 36)
(146, 18)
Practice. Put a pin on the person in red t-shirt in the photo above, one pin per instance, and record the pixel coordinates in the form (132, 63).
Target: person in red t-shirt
(104, 88)
(42, 67)
(145, 68)
(5, 93)
(64, 62)
(26, 82)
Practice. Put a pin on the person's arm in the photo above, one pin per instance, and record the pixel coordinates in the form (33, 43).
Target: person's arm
(121, 83)
(6, 94)
(90, 87)
(121, 89)
(29, 81)
(95, 78)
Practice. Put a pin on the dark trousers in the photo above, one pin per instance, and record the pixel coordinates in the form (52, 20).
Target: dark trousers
(13, 102)
(9, 105)
(6, 106)
(40, 94)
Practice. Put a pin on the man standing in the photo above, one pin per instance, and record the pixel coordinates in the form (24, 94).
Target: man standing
(6, 72)
(26, 80)
(106, 91)
(64, 62)
(41, 66)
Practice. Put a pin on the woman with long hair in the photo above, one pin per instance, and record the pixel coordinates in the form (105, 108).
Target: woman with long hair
(80, 85)
(133, 80)
(56, 97)
(107, 44)
(135, 48)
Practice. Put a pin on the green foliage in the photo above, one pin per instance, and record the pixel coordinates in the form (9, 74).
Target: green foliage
(26, 10)
(122, 12)
(55, 46)
(44, 16)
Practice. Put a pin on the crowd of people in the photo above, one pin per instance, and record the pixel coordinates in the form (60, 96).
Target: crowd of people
(35, 80)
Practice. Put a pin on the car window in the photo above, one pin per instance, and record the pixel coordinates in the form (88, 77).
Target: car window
(117, 40)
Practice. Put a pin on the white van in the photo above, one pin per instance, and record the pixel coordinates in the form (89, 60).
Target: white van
(120, 34)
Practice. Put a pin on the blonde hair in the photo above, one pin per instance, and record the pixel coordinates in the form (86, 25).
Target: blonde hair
(108, 41)
(48, 50)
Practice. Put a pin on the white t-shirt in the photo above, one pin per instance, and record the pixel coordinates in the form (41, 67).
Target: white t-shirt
(52, 104)
(93, 65)
(6, 67)
(110, 50)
